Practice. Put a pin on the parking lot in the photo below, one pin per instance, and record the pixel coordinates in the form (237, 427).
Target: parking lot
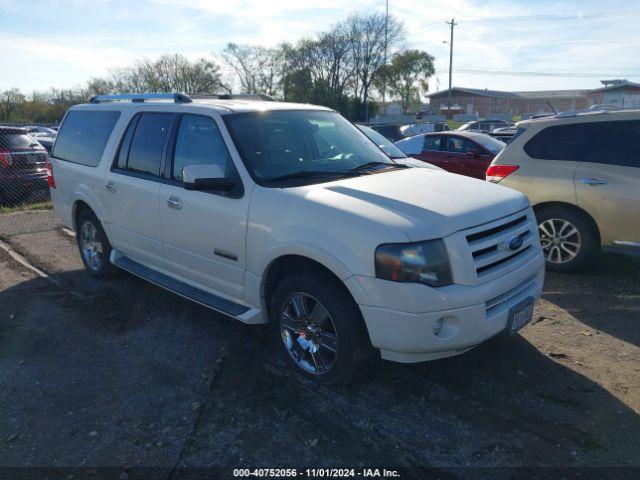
(126, 374)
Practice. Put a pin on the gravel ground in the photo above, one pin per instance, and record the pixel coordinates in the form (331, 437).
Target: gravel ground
(123, 374)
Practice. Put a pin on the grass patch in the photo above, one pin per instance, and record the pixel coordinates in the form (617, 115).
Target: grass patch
(26, 207)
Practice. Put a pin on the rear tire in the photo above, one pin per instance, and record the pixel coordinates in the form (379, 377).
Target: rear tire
(94, 246)
(318, 329)
(569, 238)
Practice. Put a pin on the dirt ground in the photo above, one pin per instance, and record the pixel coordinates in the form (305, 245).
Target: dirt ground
(123, 374)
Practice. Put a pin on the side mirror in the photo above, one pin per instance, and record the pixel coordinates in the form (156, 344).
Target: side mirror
(206, 177)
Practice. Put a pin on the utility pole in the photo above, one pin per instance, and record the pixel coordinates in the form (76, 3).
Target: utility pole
(384, 79)
(453, 24)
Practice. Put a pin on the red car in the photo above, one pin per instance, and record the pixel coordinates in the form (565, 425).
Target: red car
(465, 153)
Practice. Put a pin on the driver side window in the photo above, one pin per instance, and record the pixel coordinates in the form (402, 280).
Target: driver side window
(199, 142)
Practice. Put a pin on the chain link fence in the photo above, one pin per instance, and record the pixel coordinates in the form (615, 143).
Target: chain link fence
(25, 203)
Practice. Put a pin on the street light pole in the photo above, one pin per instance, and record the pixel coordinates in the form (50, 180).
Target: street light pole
(453, 24)
(384, 78)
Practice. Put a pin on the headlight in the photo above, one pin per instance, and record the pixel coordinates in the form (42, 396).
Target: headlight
(424, 262)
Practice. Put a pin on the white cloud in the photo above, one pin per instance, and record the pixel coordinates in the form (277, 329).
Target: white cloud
(64, 43)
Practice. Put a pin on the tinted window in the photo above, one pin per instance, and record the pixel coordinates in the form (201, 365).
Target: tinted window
(431, 143)
(561, 142)
(615, 143)
(17, 141)
(125, 145)
(199, 142)
(459, 145)
(83, 136)
(147, 145)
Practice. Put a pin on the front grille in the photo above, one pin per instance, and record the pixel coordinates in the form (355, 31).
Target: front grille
(492, 244)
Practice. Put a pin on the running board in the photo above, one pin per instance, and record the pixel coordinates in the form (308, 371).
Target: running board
(185, 290)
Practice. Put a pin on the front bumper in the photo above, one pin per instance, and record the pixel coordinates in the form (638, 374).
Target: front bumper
(401, 326)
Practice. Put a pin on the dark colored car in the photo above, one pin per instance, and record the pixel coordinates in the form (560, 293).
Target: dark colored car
(23, 169)
(390, 130)
(465, 153)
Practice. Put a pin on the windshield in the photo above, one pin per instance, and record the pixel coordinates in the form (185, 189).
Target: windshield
(301, 144)
(383, 142)
(493, 145)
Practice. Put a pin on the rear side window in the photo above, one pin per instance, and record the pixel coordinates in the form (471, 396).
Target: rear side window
(459, 145)
(616, 143)
(148, 137)
(431, 144)
(83, 136)
(561, 142)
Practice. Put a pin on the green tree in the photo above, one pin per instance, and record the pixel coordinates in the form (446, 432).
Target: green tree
(407, 76)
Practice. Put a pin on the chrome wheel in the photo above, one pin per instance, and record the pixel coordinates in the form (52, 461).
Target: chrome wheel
(308, 333)
(560, 240)
(91, 246)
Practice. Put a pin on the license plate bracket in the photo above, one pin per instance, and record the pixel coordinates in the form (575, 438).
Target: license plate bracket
(520, 315)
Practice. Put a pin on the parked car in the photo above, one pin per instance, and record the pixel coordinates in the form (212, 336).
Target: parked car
(418, 128)
(36, 131)
(484, 126)
(464, 153)
(504, 134)
(582, 175)
(392, 131)
(287, 214)
(46, 142)
(391, 150)
(22, 165)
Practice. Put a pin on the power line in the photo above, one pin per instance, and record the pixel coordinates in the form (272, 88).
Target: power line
(535, 18)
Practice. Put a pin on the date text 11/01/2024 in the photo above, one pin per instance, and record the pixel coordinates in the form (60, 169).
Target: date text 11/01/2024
(316, 472)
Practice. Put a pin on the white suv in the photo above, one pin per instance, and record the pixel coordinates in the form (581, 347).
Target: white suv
(287, 214)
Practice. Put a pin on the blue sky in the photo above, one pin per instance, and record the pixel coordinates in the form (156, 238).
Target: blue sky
(63, 43)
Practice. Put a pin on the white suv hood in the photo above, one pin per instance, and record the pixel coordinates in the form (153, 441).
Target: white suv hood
(423, 203)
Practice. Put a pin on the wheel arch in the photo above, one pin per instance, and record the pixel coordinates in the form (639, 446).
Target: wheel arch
(287, 264)
(555, 204)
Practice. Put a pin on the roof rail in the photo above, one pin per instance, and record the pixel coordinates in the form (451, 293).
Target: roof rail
(141, 97)
(234, 96)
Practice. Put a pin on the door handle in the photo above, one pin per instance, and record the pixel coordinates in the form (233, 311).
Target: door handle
(593, 181)
(175, 203)
(110, 186)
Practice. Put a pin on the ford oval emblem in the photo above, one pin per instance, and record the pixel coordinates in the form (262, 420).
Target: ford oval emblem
(515, 243)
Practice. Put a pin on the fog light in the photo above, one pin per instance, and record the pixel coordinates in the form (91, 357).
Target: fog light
(437, 326)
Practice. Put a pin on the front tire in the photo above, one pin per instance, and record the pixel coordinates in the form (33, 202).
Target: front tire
(94, 246)
(569, 239)
(318, 329)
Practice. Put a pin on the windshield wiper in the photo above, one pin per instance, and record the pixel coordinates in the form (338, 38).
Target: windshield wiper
(368, 165)
(308, 174)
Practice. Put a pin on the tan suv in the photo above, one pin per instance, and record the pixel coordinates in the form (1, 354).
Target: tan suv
(581, 172)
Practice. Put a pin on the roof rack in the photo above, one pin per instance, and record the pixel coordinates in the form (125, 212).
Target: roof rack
(233, 96)
(592, 110)
(141, 97)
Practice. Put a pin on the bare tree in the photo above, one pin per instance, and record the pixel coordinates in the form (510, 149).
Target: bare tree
(168, 73)
(258, 69)
(368, 42)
